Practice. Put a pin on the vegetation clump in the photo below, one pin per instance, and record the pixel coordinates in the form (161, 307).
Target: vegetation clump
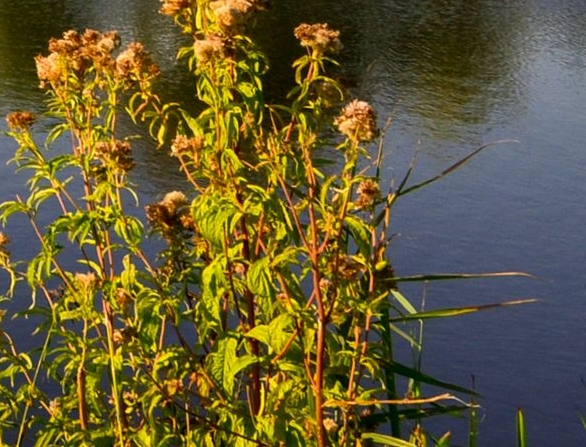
(270, 315)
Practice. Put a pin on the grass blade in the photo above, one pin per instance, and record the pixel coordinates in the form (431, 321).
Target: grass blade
(449, 170)
(387, 440)
(521, 433)
(452, 276)
(456, 311)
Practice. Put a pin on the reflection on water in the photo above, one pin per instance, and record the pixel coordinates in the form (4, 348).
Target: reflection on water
(454, 73)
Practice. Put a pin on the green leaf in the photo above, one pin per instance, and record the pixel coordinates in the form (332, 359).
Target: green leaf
(453, 276)
(223, 363)
(456, 311)
(361, 233)
(262, 333)
(521, 432)
(404, 302)
(418, 376)
(241, 363)
(386, 440)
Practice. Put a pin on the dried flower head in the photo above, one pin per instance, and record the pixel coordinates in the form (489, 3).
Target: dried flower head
(50, 69)
(319, 37)
(346, 268)
(96, 48)
(368, 191)
(169, 215)
(357, 121)
(330, 425)
(232, 14)
(208, 49)
(174, 201)
(134, 64)
(79, 54)
(4, 241)
(115, 155)
(55, 408)
(174, 7)
(183, 145)
(87, 281)
(20, 120)
(123, 298)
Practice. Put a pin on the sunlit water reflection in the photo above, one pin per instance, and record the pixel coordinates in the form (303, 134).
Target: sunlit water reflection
(453, 74)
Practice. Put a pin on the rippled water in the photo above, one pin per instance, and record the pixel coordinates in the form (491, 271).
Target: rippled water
(454, 74)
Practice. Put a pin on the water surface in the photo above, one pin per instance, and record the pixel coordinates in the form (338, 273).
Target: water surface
(454, 75)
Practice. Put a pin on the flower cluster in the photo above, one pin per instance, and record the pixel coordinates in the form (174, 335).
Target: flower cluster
(20, 120)
(116, 155)
(134, 64)
(174, 7)
(357, 121)
(319, 37)
(92, 52)
(208, 49)
(346, 268)
(76, 52)
(86, 281)
(368, 191)
(231, 15)
(183, 145)
(170, 215)
(4, 241)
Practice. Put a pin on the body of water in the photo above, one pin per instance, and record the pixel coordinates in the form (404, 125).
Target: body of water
(454, 74)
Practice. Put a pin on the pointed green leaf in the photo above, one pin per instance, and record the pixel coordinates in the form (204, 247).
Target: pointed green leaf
(386, 440)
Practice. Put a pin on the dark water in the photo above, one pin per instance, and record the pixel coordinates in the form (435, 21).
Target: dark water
(454, 74)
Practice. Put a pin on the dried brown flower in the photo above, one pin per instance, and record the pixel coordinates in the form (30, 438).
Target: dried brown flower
(117, 155)
(4, 240)
(122, 298)
(208, 49)
(232, 14)
(182, 145)
(357, 121)
(368, 191)
(134, 63)
(49, 69)
(319, 37)
(169, 215)
(174, 201)
(87, 281)
(330, 425)
(174, 7)
(348, 268)
(76, 53)
(20, 120)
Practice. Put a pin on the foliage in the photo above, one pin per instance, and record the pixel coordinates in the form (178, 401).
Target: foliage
(271, 314)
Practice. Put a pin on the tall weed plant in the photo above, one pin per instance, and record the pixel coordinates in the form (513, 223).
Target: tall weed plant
(271, 315)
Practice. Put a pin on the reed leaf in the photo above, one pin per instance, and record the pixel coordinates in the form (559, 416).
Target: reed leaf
(447, 171)
(456, 311)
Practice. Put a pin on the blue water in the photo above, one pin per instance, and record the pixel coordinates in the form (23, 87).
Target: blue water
(454, 75)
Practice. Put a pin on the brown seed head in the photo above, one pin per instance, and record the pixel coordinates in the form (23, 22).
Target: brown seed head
(20, 120)
(357, 121)
(208, 49)
(87, 281)
(182, 145)
(134, 64)
(368, 191)
(174, 7)
(319, 37)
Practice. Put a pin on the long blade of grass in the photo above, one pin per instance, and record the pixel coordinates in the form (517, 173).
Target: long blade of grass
(411, 373)
(456, 311)
(452, 276)
(521, 433)
(449, 170)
